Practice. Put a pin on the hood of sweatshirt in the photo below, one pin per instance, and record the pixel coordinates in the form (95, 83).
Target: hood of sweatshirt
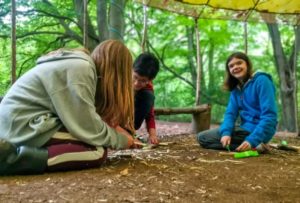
(62, 54)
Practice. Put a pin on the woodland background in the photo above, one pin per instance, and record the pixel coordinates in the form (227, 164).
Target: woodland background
(45, 25)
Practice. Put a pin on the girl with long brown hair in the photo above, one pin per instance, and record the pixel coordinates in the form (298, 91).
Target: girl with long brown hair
(61, 114)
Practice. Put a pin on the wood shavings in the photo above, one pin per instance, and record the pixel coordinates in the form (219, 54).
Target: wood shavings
(151, 177)
(219, 161)
(196, 168)
(164, 152)
(178, 182)
(165, 143)
(173, 157)
(201, 191)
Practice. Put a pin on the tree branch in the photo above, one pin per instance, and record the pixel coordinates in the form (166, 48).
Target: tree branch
(90, 29)
(161, 59)
(69, 32)
(168, 68)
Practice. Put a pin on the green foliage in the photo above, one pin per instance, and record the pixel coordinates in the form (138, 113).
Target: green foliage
(38, 32)
(41, 27)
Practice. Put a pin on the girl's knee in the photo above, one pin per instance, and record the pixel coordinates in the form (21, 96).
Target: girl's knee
(201, 138)
(208, 137)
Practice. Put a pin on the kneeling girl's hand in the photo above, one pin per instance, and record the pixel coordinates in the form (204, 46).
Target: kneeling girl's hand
(244, 146)
(225, 140)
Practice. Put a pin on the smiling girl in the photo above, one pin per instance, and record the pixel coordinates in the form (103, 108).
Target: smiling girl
(252, 100)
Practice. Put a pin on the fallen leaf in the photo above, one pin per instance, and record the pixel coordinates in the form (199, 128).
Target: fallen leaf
(124, 172)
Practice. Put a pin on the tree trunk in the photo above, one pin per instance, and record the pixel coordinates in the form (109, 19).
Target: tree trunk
(287, 75)
(116, 19)
(201, 115)
(102, 20)
(294, 60)
(211, 81)
(191, 53)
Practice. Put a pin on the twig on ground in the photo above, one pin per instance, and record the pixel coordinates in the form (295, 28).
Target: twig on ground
(226, 153)
(285, 147)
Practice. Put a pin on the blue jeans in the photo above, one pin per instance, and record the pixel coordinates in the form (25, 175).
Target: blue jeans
(210, 139)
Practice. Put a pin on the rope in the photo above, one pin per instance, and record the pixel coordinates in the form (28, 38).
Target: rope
(113, 2)
(112, 29)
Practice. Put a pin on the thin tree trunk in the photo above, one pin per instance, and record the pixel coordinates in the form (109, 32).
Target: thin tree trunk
(145, 30)
(85, 25)
(211, 81)
(246, 36)
(85, 32)
(102, 20)
(199, 65)
(13, 41)
(191, 53)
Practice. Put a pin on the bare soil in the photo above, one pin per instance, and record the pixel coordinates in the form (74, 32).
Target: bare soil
(179, 172)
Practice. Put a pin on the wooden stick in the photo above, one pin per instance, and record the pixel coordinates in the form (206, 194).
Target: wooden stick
(285, 147)
(165, 143)
(141, 144)
(226, 153)
(289, 148)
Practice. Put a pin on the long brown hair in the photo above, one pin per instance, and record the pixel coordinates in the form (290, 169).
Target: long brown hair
(231, 82)
(114, 93)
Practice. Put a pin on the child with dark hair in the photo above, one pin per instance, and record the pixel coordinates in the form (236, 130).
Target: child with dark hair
(145, 69)
(252, 99)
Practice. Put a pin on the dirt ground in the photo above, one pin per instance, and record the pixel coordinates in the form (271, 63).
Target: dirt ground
(179, 172)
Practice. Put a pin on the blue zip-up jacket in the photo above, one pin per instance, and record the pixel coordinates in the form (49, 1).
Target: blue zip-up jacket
(255, 103)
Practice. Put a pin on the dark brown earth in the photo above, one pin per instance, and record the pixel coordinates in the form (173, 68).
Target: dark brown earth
(179, 172)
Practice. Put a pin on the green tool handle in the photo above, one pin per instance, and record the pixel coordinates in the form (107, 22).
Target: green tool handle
(245, 154)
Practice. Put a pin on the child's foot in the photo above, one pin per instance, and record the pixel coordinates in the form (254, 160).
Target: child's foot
(263, 148)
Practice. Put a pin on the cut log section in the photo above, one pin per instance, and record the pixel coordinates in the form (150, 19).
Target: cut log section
(201, 115)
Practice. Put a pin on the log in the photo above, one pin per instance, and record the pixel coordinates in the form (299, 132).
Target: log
(201, 115)
(187, 110)
(201, 121)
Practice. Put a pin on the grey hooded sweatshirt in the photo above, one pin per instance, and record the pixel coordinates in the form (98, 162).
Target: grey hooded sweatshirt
(58, 91)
